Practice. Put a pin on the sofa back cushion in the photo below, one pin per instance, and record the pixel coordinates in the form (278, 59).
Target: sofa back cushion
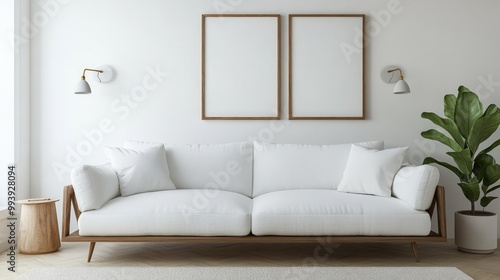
(298, 166)
(416, 185)
(208, 166)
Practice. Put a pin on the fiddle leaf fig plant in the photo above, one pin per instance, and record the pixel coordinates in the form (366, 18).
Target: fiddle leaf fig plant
(468, 125)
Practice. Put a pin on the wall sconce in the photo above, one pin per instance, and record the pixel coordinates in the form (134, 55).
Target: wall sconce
(388, 75)
(103, 75)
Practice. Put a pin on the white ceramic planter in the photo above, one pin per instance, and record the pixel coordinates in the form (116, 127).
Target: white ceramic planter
(476, 234)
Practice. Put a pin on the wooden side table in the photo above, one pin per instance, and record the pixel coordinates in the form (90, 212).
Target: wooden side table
(38, 228)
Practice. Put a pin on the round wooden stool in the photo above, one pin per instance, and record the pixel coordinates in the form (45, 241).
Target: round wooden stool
(38, 228)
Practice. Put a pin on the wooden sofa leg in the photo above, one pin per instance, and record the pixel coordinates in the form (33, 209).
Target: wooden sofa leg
(415, 251)
(91, 251)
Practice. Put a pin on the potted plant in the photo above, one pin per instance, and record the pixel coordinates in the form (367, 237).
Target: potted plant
(468, 125)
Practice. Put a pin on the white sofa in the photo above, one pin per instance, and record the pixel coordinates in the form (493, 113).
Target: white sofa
(253, 190)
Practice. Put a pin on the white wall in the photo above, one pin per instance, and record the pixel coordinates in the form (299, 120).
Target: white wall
(22, 101)
(439, 44)
(7, 94)
(6, 109)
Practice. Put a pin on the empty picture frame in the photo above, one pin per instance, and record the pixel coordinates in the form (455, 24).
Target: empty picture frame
(241, 67)
(326, 67)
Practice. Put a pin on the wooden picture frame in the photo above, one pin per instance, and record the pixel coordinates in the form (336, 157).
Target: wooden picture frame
(241, 67)
(326, 59)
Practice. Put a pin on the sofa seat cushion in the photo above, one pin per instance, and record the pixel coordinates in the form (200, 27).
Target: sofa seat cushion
(329, 212)
(171, 212)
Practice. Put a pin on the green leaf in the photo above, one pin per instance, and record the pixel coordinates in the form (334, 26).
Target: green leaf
(467, 111)
(447, 125)
(492, 189)
(490, 148)
(462, 89)
(492, 174)
(481, 162)
(450, 102)
(484, 127)
(433, 134)
(450, 167)
(492, 109)
(463, 160)
(471, 189)
(484, 188)
(486, 200)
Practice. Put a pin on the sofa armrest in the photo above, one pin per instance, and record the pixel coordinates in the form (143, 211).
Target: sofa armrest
(416, 185)
(69, 200)
(94, 185)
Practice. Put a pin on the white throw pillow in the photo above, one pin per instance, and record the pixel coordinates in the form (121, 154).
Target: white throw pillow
(371, 171)
(94, 185)
(140, 171)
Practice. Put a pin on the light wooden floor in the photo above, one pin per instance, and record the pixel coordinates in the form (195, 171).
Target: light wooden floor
(169, 254)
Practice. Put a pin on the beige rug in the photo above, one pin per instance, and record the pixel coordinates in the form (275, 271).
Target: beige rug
(244, 273)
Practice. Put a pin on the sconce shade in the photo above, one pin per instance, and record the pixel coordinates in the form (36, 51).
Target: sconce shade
(401, 87)
(103, 75)
(388, 76)
(82, 87)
